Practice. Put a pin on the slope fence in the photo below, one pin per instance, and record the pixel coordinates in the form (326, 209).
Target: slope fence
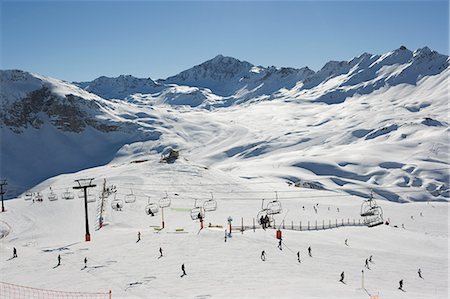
(14, 291)
(301, 226)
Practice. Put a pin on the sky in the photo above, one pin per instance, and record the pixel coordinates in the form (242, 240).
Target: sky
(82, 40)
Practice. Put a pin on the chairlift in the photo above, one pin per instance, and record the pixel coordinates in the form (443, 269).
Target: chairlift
(196, 211)
(52, 195)
(117, 204)
(372, 213)
(28, 196)
(210, 205)
(67, 195)
(39, 197)
(152, 209)
(263, 213)
(165, 201)
(130, 197)
(368, 207)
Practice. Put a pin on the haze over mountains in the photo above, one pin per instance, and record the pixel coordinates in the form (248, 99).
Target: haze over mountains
(375, 122)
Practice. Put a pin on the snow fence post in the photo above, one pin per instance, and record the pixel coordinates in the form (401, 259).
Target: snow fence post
(253, 224)
(242, 225)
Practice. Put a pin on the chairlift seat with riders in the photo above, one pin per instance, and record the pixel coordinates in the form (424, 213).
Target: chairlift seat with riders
(152, 209)
(68, 195)
(117, 204)
(263, 213)
(197, 211)
(52, 195)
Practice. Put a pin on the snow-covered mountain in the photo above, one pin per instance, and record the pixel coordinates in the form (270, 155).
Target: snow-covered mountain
(119, 87)
(396, 103)
(49, 126)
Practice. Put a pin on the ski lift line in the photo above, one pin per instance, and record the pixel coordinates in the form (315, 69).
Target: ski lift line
(259, 198)
(286, 191)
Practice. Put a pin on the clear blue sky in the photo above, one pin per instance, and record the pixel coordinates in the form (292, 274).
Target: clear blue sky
(82, 40)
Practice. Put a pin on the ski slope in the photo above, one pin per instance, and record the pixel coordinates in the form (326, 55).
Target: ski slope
(218, 269)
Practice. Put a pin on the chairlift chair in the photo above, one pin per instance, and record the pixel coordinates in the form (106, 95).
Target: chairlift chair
(130, 197)
(368, 207)
(117, 204)
(274, 207)
(39, 197)
(165, 201)
(52, 196)
(196, 211)
(28, 196)
(152, 209)
(264, 213)
(67, 195)
(210, 205)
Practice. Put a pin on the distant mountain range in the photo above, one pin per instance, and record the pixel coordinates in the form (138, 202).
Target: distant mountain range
(224, 81)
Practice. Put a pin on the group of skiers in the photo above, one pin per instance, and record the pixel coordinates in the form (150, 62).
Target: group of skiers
(265, 221)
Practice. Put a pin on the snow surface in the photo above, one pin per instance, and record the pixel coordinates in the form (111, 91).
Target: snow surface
(218, 269)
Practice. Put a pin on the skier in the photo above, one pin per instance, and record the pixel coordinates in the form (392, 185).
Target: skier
(280, 244)
(263, 255)
(342, 277)
(160, 253)
(338, 210)
(367, 264)
(400, 283)
(303, 208)
(421, 215)
(225, 236)
(267, 221)
(85, 262)
(59, 260)
(151, 212)
(298, 256)
(309, 251)
(14, 252)
(139, 237)
(261, 220)
(420, 273)
(118, 207)
(346, 240)
(370, 259)
(182, 269)
(200, 217)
